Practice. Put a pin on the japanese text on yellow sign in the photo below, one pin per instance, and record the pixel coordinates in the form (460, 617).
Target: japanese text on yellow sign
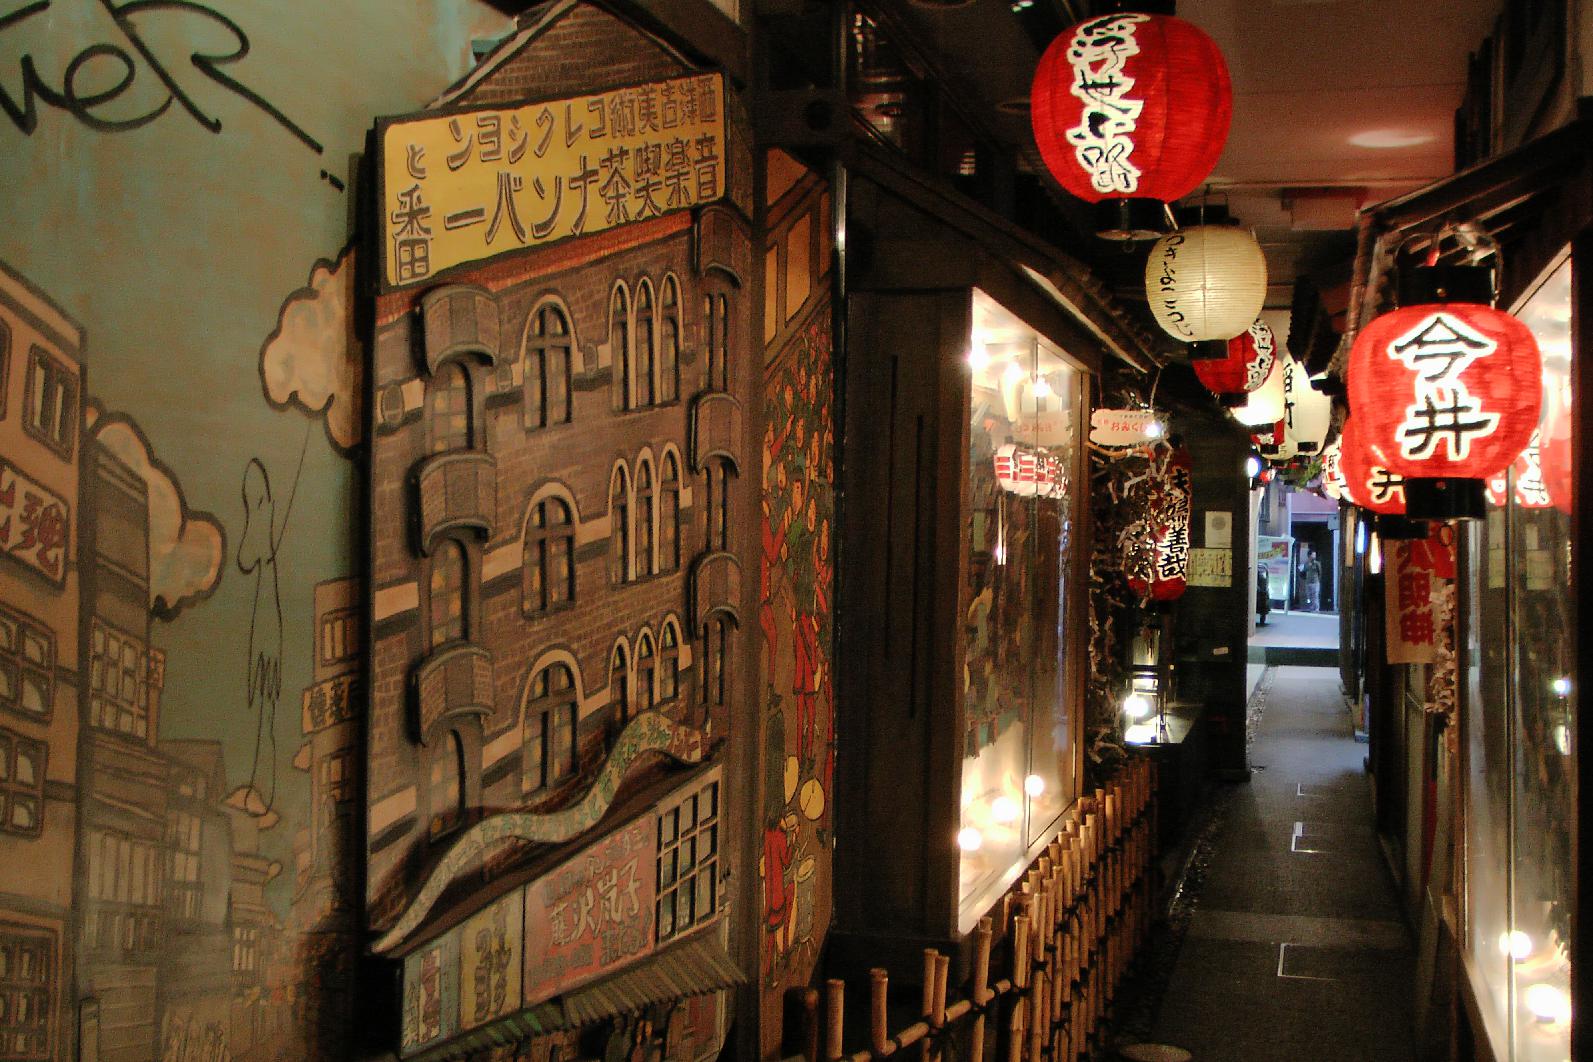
(468, 186)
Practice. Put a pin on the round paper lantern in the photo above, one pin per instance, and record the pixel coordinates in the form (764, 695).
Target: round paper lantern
(1450, 393)
(1206, 282)
(1368, 482)
(1307, 412)
(1129, 108)
(1265, 404)
(1243, 368)
(1332, 474)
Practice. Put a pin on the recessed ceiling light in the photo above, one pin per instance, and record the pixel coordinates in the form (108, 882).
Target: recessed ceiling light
(1391, 138)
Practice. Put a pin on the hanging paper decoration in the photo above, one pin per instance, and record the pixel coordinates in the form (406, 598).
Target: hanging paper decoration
(1030, 473)
(1156, 546)
(1243, 369)
(1367, 479)
(1307, 412)
(1264, 407)
(1129, 107)
(1125, 427)
(1206, 282)
(1449, 392)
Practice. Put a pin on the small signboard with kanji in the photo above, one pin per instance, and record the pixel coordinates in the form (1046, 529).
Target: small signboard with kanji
(34, 524)
(1413, 574)
(466, 186)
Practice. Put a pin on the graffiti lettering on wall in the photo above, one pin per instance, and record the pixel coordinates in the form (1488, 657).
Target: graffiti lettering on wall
(33, 523)
(114, 70)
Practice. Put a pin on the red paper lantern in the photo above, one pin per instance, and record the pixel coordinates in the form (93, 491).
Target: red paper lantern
(1129, 106)
(1445, 391)
(1156, 547)
(1531, 489)
(1367, 481)
(1243, 369)
(1554, 449)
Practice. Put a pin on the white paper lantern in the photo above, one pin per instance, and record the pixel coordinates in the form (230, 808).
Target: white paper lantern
(1307, 412)
(1206, 283)
(1264, 406)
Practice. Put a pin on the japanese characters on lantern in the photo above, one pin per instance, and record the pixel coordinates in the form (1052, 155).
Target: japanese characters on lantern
(1307, 412)
(1206, 282)
(1156, 546)
(1131, 106)
(470, 185)
(1368, 482)
(1449, 390)
(1264, 407)
(1244, 368)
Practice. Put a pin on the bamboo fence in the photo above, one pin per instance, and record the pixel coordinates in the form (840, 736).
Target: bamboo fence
(1067, 933)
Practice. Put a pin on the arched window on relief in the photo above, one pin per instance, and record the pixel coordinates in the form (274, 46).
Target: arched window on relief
(550, 728)
(669, 339)
(619, 525)
(669, 513)
(448, 408)
(668, 681)
(549, 557)
(716, 340)
(717, 498)
(549, 350)
(645, 511)
(646, 345)
(646, 673)
(713, 665)
(445, 784)
(619, 340)
(619, 684)
(445, 596)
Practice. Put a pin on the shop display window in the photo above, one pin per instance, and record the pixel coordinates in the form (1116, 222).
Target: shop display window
(1017, 773)
(1519, 732)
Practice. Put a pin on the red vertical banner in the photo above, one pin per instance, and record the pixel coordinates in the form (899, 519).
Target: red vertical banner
(1416, 575)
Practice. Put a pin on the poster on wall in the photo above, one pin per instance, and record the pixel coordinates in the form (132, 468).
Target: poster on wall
(1415, 575)
(1272, 557)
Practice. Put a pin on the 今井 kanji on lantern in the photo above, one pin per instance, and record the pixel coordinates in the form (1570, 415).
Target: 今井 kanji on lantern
(1131, 110)
(1449, 393)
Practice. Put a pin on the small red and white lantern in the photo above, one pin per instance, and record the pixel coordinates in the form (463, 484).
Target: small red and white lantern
(1132, 111)
(1332, 481)
(1030, 473)
(1264, 406)
(1156, 547)
(1243, 369)
(1450, 394)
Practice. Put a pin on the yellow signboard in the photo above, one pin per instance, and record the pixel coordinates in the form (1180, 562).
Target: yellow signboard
(466, 186)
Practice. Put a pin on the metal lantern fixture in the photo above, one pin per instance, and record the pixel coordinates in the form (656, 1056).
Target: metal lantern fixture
(1243, 368)
(1264, 407)
(1131, 111)
(1307, 412)
(1450, 392)
(1206, 285)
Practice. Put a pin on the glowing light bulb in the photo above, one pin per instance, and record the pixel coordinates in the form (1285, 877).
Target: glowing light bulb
(1547, 1003)
(1034, 785)
(1136, 706)
(969, 839)
(1562, 739)
(1155, 430)
(1515, 944)
(1561, 686)
(1374, 555)
(1005, 809)
(978, 356)
(1252, 466)
(1140, 734)
(1042, 387)
(1012, 373)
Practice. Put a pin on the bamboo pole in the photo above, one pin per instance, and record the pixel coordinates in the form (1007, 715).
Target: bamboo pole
(834, 1012)
(879, 1028)
(980, 994)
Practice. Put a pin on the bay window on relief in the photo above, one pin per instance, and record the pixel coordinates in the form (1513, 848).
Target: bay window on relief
(1519, 723)
(1017, 745)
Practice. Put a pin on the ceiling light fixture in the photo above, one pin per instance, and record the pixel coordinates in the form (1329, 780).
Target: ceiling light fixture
(1386, 139)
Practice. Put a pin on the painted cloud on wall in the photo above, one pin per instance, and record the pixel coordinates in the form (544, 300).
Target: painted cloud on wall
(185, 545)
(313, 360)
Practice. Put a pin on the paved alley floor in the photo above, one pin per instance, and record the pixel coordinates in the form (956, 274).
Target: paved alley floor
(1295, 947)
(1303, 630)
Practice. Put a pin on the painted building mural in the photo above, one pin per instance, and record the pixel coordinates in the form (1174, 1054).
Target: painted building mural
(795, 585)
(559, 523)
(180, 625)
